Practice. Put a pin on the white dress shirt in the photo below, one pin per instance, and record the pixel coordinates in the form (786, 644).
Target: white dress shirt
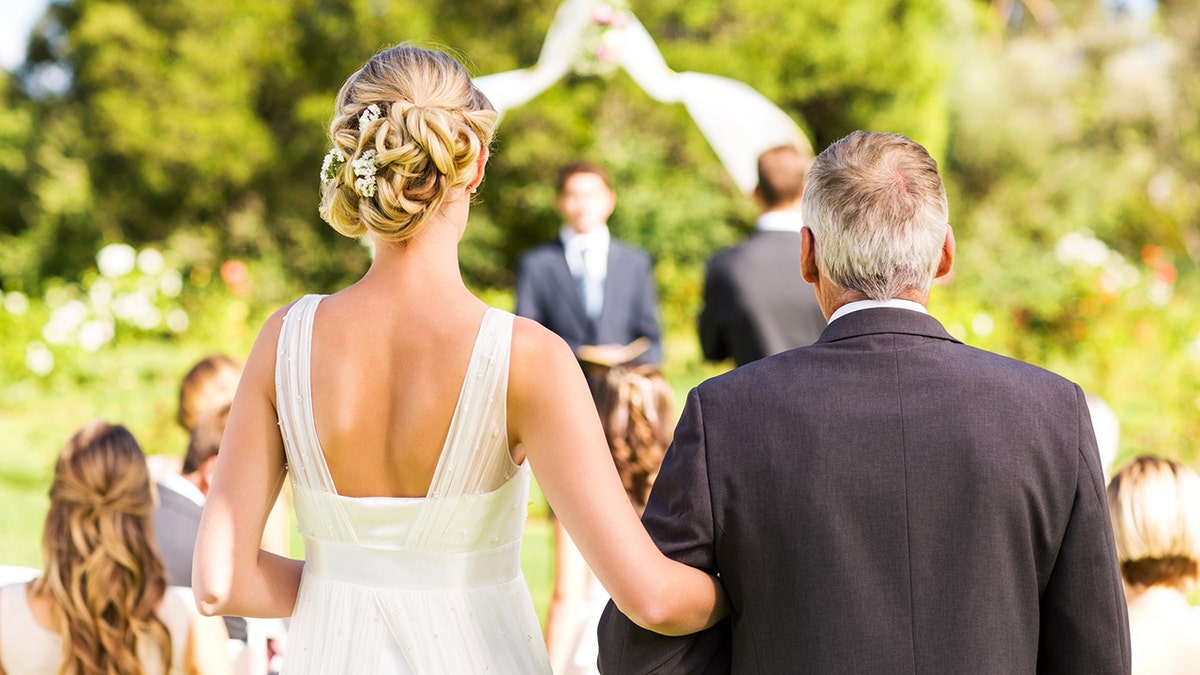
(895, 303)
(779, 221)
(587, 258)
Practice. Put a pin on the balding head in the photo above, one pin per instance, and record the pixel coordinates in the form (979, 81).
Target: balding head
(878, 214)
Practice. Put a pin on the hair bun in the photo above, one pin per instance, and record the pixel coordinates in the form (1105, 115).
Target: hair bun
(408, 130)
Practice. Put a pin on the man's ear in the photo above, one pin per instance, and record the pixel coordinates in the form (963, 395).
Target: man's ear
(947, 261)
(808, 257)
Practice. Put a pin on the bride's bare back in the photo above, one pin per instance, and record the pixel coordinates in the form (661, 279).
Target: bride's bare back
(384, 388)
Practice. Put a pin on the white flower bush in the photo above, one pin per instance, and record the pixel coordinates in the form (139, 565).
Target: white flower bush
(39, 359)
(116, 260)
(1083, 250)
(16, 303)
(130, 292)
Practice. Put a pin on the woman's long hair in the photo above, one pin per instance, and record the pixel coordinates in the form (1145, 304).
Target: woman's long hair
(103, 571)
(636, 404)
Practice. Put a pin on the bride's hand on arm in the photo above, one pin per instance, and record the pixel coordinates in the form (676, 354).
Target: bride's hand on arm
(230, 574)
(552, 415)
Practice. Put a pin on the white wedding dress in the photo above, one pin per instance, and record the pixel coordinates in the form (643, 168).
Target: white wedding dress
(412, 585)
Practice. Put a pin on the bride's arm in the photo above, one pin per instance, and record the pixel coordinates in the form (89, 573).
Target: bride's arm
(551, 413)
(230, 574)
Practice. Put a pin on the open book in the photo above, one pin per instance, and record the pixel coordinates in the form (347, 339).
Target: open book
(613, 355)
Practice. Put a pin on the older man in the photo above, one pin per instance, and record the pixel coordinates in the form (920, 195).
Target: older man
(887, 500)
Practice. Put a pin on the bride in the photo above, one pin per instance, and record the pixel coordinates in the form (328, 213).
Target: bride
(407, 415)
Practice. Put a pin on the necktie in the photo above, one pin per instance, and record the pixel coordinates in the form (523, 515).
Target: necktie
(588, 280)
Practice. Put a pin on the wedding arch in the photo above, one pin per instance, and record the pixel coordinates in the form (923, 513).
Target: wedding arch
(595, 36)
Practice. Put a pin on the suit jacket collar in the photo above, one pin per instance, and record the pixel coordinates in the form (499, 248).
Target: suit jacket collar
(879, 320)
(565, 284)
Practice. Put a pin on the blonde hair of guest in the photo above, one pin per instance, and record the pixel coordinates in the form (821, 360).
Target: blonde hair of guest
(1155, 508)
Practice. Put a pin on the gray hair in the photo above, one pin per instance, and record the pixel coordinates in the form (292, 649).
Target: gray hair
(878, 213)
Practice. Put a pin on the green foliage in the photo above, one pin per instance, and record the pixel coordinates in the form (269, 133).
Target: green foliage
(1068, 165)
(197, 127)
(202, 120)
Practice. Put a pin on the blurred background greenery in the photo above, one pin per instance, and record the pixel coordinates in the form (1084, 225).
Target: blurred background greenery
(159, 161)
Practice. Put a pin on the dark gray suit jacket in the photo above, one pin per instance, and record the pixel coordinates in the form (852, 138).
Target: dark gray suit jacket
(548, 294)
(755, 302)
(176, 523)
(887, 500)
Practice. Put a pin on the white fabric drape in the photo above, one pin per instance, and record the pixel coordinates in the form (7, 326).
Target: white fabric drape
(738, 122)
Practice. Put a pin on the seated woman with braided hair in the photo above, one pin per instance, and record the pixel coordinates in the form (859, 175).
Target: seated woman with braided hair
(102, 605)
(636, 407)
(407, 413)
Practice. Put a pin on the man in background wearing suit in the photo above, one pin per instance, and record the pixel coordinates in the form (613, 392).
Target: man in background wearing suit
(755, 303)
(594, 292)
(181, 499)
(887, 500)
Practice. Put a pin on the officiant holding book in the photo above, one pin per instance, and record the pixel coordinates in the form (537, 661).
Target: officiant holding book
(594, 291)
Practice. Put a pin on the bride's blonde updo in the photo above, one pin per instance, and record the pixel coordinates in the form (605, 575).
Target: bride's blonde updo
(426, 123)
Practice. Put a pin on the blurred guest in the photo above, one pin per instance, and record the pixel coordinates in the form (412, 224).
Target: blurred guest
(207, 389)
(595, 292)
(636, 407)
(1155, 507)
(208, 386)
(205, 396)
(102, 604)
(181, 502)
(755, 302)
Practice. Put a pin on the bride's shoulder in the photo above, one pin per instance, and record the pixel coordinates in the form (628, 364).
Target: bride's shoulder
(538, 352)
(274, 323)
(530, 338)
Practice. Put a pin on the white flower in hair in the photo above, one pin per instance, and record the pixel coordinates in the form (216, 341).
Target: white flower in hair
(365, 168)
(334, 159)
(372, 113)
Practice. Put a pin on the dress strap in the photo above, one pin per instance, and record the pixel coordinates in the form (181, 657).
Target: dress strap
(475, 458)
(293, 402)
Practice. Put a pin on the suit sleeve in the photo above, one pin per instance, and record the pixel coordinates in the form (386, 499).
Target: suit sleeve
(679, 517)
(1084, 622)
(711, 324)
(648, 325)
(527, 303)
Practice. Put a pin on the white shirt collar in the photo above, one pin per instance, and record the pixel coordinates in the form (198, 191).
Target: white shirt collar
(176, 483)
(594, 243)
(570, 238)
(779, 221)
(895, 303)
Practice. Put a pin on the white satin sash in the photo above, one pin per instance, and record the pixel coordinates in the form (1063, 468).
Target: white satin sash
(401, 569)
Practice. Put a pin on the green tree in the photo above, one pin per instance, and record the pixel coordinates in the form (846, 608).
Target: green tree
(198, 123)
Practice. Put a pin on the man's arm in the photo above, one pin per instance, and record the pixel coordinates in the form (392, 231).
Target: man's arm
(646, 319)
(679, 517)
(1084, 622)
(527, 304)
(712, 324)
